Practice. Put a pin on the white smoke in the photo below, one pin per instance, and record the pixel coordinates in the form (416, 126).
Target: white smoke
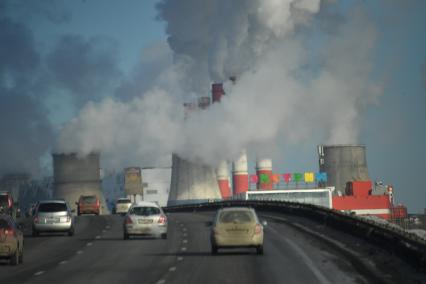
(279, 97)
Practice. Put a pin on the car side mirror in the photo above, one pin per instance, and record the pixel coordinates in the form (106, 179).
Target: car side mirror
(264, 223)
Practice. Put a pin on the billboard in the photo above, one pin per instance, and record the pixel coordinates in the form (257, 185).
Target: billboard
(133, 181)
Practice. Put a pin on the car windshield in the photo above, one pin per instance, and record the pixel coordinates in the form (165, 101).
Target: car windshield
(52, 207)
(4, 224)
(236, 217)
(89, 199)
(145, 211)
(124, 201)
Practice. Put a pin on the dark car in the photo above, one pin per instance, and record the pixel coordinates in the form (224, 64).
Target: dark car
(88, 204)
(11, 240)
(6, 203)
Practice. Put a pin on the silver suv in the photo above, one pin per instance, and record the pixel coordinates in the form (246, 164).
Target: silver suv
(53, 216)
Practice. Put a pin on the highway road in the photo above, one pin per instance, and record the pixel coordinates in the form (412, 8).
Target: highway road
(98, 254)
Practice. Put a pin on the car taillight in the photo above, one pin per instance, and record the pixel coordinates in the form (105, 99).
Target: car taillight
(98, 203)
(258, 229)
(129, 220)
(162, 219)
(8, 232)
(68, 218)
(9, 202)
(36, 219)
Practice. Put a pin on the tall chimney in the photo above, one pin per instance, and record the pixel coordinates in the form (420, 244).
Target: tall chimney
(240, 181)
(264, 174)
(222, 174)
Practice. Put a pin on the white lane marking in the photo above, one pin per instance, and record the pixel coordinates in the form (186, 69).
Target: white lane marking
(162, 281)
(180, 258)
(183, 248)
(309, 263)
(39, 273)
(79, 252)
(98, 237)
(181, 224)
(63, 262)
(108, 227)
(89, 244)
(185, 241)
(103, 231)
(184, 229)
(185, 234)
(172, 269)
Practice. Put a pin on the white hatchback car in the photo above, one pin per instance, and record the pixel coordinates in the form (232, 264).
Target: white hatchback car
(145, 218)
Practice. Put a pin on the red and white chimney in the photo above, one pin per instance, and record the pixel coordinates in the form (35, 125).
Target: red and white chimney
(222, 174)
(240, 179)
(264, 174)
(217, 92)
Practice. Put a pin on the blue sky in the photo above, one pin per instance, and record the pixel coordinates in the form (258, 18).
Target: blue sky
(128, 31)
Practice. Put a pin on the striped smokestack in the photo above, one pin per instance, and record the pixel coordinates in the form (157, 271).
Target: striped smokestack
(264, 174)
(240, 181)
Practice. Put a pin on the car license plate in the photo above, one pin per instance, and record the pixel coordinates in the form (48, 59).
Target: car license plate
(52, 221)
(145, 221)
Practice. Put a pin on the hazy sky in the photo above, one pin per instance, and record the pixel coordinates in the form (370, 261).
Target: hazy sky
(57, 55)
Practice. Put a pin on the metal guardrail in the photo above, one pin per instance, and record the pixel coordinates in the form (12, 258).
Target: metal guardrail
(407, 246)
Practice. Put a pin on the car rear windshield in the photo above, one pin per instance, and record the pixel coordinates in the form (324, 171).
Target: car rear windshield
(89, 199)
(52, 207)
(145, 211)
(4, 224)
(4, 200)
(236, 217)
(124, 201)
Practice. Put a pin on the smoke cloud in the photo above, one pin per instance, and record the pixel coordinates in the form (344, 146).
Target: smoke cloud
(289, 89)
(24, 127)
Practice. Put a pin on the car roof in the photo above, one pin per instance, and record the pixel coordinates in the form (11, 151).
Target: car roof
(6, 217)
(52, 201)
(145, 203)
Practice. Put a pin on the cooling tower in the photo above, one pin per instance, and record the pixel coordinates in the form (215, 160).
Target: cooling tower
(74, 176)
(222, 173)
(264, 174)
(192, 182)
(343, 163)
(240, 181)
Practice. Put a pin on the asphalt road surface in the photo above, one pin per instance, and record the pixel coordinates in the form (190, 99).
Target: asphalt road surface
(97, 253)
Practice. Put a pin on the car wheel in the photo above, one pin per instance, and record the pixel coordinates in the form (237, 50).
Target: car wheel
(14, 259)
(164, 236)
(35, 233)
(214, 249)
(21, 257)
(259, 249)
(71, 232)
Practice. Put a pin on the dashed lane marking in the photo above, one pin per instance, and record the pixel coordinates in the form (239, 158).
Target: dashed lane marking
(39, 273)
(172, 269)
(162, 281)
(79, 252)
(89, 244)
(180, 258)
(98, 237)
(185, 241)
(63, 262)
(183, 248)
